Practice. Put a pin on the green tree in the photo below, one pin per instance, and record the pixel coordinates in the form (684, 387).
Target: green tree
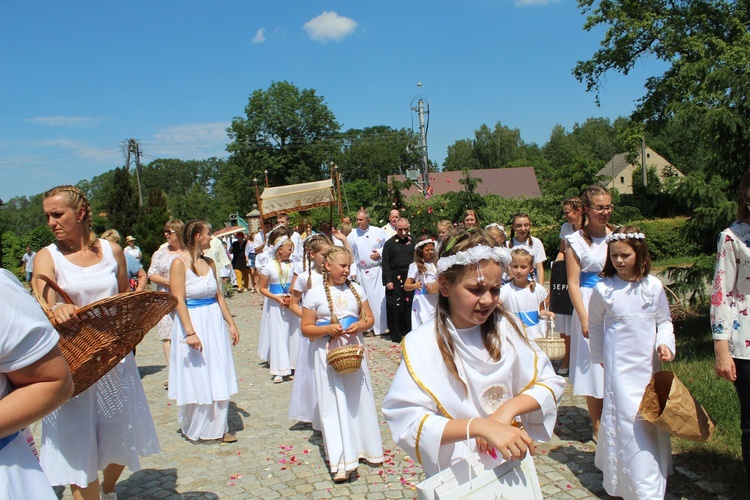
(460, 156)
(705, 45)
(374, 153)
(122, 206)
(286, 131)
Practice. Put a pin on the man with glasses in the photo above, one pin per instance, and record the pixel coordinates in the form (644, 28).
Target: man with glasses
(398, 253)
(367, 244)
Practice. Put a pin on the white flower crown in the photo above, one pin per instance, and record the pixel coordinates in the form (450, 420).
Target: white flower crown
(624, 236)
(498, 226)
(472, 256)
(424, 242)
(279, 242)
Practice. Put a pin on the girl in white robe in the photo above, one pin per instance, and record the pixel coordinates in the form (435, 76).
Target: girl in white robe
(338, 312)
(303, 401)
(631, 333)
(525, 298)
(275, 282)
(422, 279)
(471, 370)
(262, 259)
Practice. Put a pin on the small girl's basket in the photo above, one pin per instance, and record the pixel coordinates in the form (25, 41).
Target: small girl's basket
(345, 359)
(552, 345)
(676, 308)
(109, 329)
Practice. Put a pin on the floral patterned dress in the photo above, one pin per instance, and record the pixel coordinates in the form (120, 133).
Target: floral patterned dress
(729, 299)
(160, 264)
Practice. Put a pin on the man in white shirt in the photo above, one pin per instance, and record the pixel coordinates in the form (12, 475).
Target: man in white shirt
(132, 248)
(390, 228)
(367, 244)
(28, 262)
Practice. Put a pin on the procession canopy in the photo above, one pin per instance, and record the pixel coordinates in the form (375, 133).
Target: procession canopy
(296, 197)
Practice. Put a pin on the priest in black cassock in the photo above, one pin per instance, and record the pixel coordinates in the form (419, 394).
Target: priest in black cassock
(398, 253)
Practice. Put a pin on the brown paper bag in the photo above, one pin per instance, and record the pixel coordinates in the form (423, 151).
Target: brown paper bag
(668, 404)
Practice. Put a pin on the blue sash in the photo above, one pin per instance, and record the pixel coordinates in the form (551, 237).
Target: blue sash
(7, 440)
(528, 318)
(589, 280)
(193, 303)
(277, 289)
(345, 322)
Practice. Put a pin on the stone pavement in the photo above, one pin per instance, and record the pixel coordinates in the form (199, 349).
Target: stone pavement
(278, 458)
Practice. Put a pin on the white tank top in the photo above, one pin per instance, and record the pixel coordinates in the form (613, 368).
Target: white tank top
(85, 285)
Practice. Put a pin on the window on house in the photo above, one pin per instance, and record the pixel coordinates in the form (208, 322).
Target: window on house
(622, 180)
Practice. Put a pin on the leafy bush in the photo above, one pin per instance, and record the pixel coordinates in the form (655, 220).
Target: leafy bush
(665, 238)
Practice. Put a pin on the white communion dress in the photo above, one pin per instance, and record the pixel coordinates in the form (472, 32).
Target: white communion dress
(627, 322)
(202, 381)
(110, 422)
(346, 405)
(423, 308)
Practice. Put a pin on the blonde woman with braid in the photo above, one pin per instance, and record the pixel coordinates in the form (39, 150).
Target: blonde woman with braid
(471, 371)
(109, 425)
(303, 401)
(338, 312)
(201, 368)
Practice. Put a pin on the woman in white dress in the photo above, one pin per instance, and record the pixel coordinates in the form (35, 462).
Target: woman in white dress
(422, 279)
(34, 380)
(585, 257)
(158, 272)
(631, 333)
(94, 430)
(338, 312)
(275, 284)
(201, 372)
(303, 401)
(471, 371)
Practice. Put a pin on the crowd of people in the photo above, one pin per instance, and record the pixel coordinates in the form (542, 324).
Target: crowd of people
(466, 306)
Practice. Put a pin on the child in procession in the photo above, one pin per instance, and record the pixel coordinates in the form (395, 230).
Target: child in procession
(520, 235)
(422, 279)
(471, 371)
(631, 333)
(337, 313)
(523, 297)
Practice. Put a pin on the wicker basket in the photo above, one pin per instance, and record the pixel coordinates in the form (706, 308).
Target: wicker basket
(676, 309)
(345, 359)
(552, 345)
(109, 329)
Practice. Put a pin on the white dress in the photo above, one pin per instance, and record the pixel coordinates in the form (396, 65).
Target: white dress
(587, 377)
(424, 395)
(525, 304)
(303, 404)
(280, 323)
(26, 337)
(160, 264)
(423, 307)
(202, 381)
(627, 322)
(346, 405)
(95, 428)
(369, 272)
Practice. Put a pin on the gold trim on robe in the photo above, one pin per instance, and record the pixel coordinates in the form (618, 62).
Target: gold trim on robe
(422, 385)
(419, 436)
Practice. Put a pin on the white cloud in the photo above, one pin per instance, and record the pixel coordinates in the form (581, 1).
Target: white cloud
(525, 3)
(79, 149)
(260, 36)
(330, 26)
(66, 121)
(187, 142)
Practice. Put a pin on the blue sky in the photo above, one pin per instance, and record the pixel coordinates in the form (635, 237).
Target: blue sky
(79, 78)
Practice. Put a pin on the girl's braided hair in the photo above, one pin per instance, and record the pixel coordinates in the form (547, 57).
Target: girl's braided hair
(330, 256)
(457, 241)
(519, 215)
(76, 200)
(312, 244)
(192, 229)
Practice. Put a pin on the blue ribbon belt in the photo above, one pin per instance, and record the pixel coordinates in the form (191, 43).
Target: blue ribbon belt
(7, 440)
(529, 318)
(589, 280)
(276, 289)
(193, 303)
(345, 322)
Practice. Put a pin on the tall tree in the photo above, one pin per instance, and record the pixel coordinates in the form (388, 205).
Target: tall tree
(286, 131)
(374, 153)
(122, 207)
(706, 47)
(461, 155)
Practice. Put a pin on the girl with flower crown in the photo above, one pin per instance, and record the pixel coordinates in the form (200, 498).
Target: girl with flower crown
(262, 260)
(275, 285)
(422, 279)
(631, 333)
(471, 371)
(336, 313)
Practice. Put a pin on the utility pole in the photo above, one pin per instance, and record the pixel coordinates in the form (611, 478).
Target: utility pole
(643, 161)
(423, 143)
(135, 149)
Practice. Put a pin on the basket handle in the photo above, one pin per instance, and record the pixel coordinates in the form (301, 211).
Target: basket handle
(38, 293)
(676, 298)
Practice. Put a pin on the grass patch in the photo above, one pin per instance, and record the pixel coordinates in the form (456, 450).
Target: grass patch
(694, 365)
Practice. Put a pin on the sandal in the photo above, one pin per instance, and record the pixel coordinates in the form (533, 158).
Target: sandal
(228, 438)
(277, 379)
(341, 476)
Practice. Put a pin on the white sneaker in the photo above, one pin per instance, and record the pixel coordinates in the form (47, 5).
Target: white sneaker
(109, 496)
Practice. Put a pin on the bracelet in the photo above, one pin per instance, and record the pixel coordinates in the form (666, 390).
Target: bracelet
(190, 334)
(467, 429)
